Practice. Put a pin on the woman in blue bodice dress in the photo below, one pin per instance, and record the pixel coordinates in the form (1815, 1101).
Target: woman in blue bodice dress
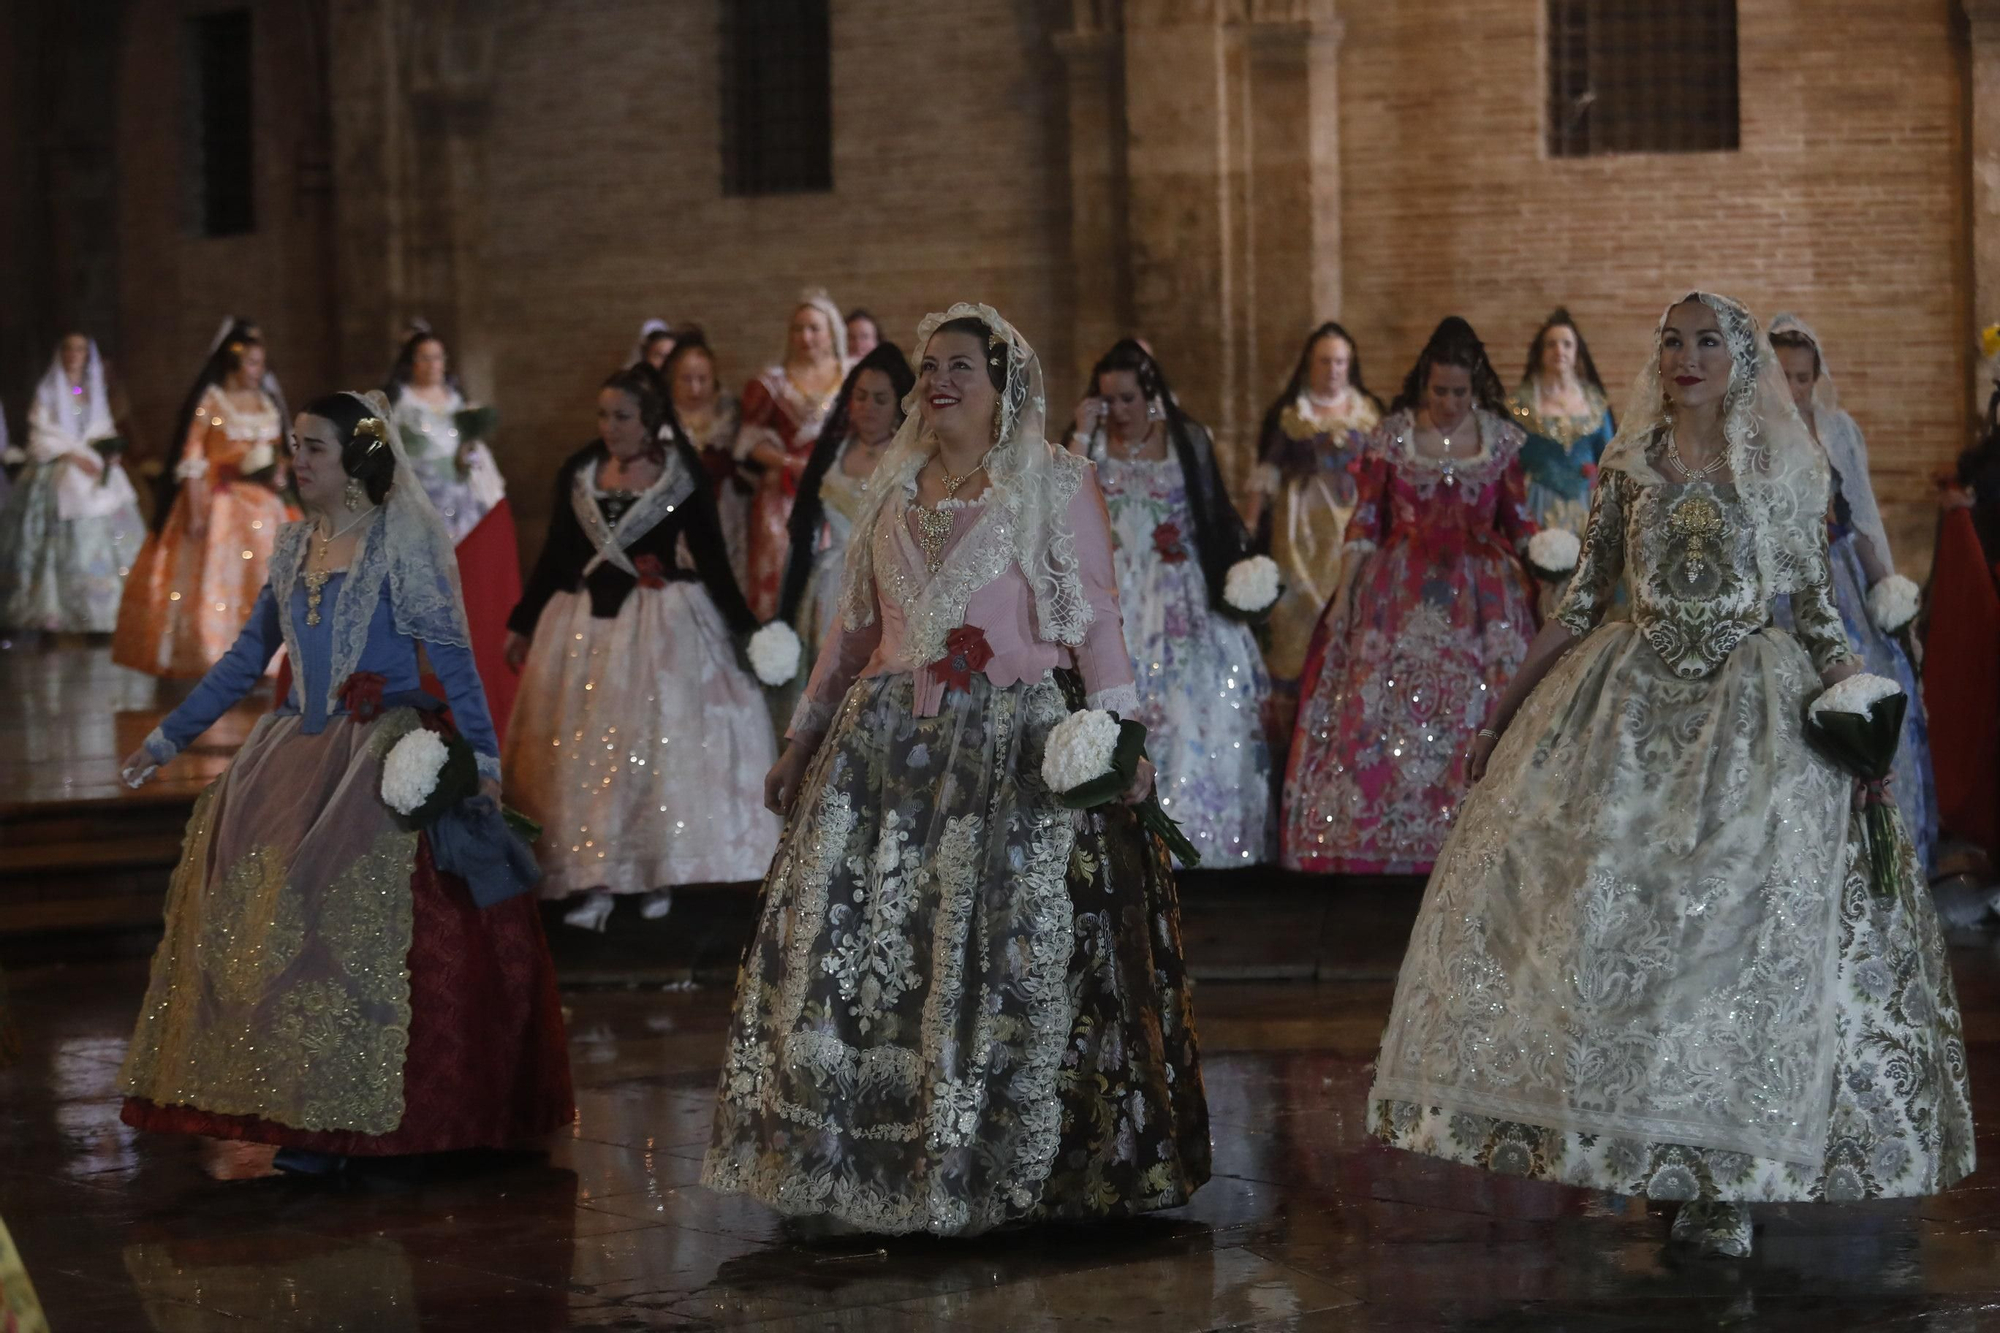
(322, 984)
(1560, 403)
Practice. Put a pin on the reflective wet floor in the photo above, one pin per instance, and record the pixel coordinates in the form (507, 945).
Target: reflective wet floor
(1306, 1225)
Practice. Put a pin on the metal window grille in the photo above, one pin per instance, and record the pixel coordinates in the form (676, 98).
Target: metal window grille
(220, 69)
(1636, 76)
(777, 97)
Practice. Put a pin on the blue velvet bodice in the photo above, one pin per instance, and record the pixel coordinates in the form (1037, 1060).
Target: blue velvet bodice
(388, 654)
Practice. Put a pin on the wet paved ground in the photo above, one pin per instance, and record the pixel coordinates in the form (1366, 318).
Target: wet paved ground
(1306, 1226)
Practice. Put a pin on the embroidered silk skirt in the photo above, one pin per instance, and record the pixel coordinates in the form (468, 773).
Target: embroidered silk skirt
(188, 594)
(640, 746)
(322, 986)
(964, 1005)
(62, 574)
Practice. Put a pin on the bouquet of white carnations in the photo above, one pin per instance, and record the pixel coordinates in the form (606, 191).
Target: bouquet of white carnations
(1092, 759)
(1252, 587)
(1893, 603)
(1553, 553)
(1858, 723)
(775, 653)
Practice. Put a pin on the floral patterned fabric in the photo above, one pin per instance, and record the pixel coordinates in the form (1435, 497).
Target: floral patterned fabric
(777, 410)
(62, 574)
(1899, 1121)
(1560, 456)
(1201, 680)
(964, 1005)
(1409, 662)
(1649, 959)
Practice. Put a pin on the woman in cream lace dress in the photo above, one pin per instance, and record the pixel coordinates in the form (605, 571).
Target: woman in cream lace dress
(1650, 959)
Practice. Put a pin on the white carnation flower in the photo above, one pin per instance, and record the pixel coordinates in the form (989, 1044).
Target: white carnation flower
(1857, 694)
(1892, 603)
(191, 469)
(1252, 584)
(1080, 749)
(775, 653)
(410, 773)
(1554, 550)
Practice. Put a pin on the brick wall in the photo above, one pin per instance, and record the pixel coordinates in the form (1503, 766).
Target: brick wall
(606, 202)
(1845, 204)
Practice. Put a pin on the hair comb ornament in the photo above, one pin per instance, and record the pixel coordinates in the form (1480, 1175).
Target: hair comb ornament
(375, 427)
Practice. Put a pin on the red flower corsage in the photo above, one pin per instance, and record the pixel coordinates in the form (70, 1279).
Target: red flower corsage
(1354, 467)
(651, 573)
(1167, 541)
(361, 696)
(1589, 471)
(965, 651)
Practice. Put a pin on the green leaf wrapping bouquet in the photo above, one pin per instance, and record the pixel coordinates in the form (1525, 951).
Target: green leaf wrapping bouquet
(1092, 759)
(1858, 724)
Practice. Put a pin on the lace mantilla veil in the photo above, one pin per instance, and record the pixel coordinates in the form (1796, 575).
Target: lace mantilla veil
(1781, 475)
(836, 323)
(1842, 441)
(53, 397)
(405, 547)
(1030, 487)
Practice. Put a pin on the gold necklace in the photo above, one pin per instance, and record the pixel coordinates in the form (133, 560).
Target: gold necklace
(315, 580)
(934, 525)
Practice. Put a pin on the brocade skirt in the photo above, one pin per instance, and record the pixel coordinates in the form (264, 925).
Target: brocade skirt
(322, 985)
(964, 1005)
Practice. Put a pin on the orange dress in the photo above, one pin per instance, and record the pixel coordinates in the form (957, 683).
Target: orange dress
(192, 587)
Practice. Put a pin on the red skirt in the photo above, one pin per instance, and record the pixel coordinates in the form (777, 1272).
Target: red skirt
(1962, 685)
(488, 1060)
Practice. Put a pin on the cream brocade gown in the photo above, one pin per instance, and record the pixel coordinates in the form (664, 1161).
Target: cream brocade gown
(1649, 959)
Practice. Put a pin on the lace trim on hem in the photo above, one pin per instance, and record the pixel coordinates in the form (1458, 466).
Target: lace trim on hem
(1120, 699)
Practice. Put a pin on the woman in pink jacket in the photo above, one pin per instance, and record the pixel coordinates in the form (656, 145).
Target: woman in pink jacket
(965, 1005)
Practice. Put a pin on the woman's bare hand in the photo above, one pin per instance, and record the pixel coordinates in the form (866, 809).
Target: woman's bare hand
(781, 784)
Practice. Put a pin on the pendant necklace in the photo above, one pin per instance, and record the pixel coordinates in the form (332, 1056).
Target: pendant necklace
(1715, 464)
(315, 580)
(934, 525)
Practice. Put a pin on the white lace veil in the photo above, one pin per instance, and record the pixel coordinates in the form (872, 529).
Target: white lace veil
(1842, 440)
(406, 547)
(1030, 486)
(646, 332)
(1781, 475)
(836, 323)
(59, 409)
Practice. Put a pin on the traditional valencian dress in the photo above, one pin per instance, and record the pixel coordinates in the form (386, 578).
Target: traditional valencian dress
(322, 986)
(20, 1309)
(1411, 661)
(714, 442)
(1854, 520)
(965, 1005)
(1650, 959)
(189, 593)
(68, 538)
(1307, 470)
(775, 410)
(472, 500)
(639, 742)
(1560, 455)
(811, 599)
(1201, 681)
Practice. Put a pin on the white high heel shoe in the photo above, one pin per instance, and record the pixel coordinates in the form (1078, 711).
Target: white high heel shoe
(592, 914)
(657, 904)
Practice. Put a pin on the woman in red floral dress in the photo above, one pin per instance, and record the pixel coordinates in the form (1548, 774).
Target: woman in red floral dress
(1434, 614)
(783, 410)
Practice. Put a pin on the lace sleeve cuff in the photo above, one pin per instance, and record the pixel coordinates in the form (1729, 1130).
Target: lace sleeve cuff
(489, 766)
(158, 748)
(1120, 699)
(1359, 546)
(810, 718)
(1266, 480)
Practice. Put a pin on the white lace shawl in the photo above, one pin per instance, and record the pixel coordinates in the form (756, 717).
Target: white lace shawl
(405, 547)
(674, 484)
(1030, 486)
(62, 422)
(1844, 445)
(1780, 473)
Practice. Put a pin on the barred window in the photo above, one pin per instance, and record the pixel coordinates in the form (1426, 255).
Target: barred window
(219, 70)
(777, 97)
(1635, 76)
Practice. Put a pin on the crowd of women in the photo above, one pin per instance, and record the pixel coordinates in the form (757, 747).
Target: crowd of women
(1513, 644)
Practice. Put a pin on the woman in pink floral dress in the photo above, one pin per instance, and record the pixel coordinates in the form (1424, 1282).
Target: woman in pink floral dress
(1433, 616)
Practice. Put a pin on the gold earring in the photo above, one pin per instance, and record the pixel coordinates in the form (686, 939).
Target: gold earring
(351, 497)
(998, 416)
